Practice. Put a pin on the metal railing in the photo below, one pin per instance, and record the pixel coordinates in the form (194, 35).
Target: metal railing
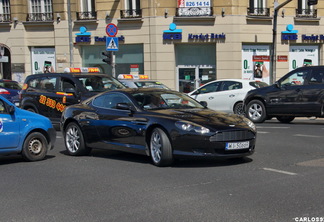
(194, 11)
(132, 13)
(306, 13)
(40, 17)
(86, 15)
(5, 17)
(258, 11)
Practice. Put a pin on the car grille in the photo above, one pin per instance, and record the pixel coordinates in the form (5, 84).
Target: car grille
(232, 136)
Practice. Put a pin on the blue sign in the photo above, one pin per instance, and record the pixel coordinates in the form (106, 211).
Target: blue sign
(112, 44)
(173, 32)
(83, 32)
(290, 33)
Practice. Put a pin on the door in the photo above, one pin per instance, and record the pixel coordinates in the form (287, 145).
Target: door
(288, 97)
(9, 128)
(192, 77)
(117, 128)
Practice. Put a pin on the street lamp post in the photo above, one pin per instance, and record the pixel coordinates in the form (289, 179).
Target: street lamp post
(273, 60)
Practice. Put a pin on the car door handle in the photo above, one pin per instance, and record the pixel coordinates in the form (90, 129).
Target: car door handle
(232, 95)
(298, 90)
(211, 97)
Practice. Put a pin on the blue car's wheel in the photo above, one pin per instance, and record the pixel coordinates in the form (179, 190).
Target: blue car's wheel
(74, 141)
(160, 148)
(35, 147)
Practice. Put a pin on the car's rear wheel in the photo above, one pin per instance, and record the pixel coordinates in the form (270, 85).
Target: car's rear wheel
(256, 111)
(35, 147)
(285, 119)
(74, 140)
(160, 148)
(238, 108)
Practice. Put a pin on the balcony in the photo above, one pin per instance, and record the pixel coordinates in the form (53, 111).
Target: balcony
(5, 17)
(130, 14)
(84, 16)
(194, 11)
(306, 13)
(258, 12)
(40, 17)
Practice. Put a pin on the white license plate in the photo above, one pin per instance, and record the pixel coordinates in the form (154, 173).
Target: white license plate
(237, 145)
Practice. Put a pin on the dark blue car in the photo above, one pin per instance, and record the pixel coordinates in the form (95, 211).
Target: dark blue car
(10, 90)
(23, 132)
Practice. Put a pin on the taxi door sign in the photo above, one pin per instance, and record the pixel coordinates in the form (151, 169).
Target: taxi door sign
(112, 44)
(1, 125)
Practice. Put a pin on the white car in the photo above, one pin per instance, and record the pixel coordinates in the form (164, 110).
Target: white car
(226, 95)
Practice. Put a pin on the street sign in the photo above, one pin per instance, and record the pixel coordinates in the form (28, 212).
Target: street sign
(4, 58)
(111, 30)
(112, 44)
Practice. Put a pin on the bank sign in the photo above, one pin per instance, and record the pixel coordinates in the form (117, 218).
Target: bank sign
(176, 34)
(290, 34)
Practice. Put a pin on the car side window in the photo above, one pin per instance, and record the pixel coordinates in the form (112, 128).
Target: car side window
(231, 85)
(211, 87)
(110, 101)
(296, 78)
(44, 84)
(66, 84)
(2, 107)
(316, 77)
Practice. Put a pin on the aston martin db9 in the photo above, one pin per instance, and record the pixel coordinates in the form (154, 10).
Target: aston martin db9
(163, 124)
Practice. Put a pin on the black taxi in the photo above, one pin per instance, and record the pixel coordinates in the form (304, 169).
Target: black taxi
(48, 94)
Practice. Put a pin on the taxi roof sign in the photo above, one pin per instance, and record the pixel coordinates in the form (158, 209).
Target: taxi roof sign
(131, 76)
(82, 70)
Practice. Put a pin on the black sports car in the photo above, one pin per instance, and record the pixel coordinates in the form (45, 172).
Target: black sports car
(160, 123)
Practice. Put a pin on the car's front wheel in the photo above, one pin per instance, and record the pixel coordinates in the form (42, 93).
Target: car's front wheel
(256, 111)
(35, 147)
(285, 119)
(160, 148)
(74, 141)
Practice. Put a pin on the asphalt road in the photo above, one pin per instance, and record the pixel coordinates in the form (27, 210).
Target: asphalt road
(282, 181)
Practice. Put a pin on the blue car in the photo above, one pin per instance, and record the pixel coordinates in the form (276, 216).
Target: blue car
(23, 132)
(10, 90)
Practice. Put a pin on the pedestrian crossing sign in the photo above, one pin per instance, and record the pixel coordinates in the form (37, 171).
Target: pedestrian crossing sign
(112, 44)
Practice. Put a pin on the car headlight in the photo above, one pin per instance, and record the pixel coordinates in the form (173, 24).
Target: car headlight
(249, 123)
(188, 126)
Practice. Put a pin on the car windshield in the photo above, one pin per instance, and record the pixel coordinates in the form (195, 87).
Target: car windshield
(10, 85)
(165, 100)
(99, 83)
(150, 84)
(258, 84)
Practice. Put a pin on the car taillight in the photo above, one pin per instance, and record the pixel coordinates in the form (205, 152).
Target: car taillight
(3, 91)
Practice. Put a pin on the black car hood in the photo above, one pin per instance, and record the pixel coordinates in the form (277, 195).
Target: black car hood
(206, 117)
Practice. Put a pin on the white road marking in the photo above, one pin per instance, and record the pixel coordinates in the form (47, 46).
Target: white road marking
(280, 171)
(304, 135)
(263, 132)
(273, 127)
(59, 137)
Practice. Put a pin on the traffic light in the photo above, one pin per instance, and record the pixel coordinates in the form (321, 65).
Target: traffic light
(312, 2)
(108, 56)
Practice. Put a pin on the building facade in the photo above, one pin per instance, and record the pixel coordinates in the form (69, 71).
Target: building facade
(182, 43)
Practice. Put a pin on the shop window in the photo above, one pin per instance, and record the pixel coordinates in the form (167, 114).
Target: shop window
(40, 10)
(258, 8)
(132, 9)
(5, 11)
(88, 11)
(305, 10)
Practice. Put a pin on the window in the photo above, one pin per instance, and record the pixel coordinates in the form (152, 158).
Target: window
(40, 10)
(132, 9)
(296, 78)
(110, 101)
(304, 10)
(4, 11)
(2, 107)
(212, 87)
(88, 10)
(45, 83)
(258, 7)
